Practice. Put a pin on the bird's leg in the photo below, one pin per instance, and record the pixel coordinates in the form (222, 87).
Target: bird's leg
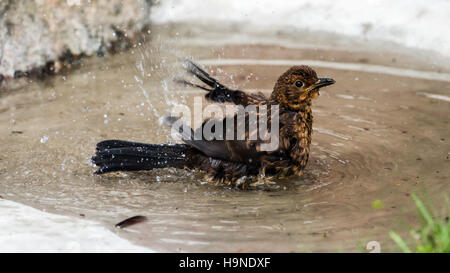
(242, 181)
(262, 179)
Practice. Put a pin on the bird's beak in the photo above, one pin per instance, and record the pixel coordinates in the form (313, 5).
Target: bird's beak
(321, 83)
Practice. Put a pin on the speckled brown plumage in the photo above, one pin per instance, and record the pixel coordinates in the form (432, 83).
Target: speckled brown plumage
(233, 162)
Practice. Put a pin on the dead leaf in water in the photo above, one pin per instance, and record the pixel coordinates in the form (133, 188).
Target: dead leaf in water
(131, 221)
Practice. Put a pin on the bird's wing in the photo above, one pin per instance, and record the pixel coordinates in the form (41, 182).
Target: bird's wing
(218, 92)
(244, 146)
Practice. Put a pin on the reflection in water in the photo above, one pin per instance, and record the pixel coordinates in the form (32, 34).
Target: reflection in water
(376, 137)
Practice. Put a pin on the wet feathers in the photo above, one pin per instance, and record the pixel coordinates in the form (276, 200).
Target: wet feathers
(233, 162)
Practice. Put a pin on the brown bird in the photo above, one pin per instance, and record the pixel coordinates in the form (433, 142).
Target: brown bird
(240, 161)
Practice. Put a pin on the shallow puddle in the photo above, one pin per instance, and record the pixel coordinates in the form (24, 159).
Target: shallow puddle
(378, 135)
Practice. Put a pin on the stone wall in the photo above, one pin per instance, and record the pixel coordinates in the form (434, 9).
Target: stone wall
(33, 33)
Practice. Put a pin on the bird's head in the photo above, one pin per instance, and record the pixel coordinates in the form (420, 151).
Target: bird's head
(298, 86)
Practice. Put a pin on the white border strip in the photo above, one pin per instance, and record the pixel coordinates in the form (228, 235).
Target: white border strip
(26, 229)
(427, 75)
(434, 96)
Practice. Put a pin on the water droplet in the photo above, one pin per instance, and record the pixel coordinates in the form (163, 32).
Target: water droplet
(44, 139)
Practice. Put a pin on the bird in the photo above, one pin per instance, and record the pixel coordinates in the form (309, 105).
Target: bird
(239, 163)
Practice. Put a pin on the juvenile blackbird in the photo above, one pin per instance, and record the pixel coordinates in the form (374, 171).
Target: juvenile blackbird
(232, 162)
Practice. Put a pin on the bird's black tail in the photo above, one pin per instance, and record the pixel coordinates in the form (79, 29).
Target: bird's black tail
(119, 155)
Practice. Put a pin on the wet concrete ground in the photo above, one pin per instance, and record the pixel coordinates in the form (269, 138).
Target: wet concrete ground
(377, 136)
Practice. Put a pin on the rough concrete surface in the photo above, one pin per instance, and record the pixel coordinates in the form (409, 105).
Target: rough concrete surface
(33, 33)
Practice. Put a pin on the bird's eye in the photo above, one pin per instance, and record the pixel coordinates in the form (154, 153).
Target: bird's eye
(298, 83)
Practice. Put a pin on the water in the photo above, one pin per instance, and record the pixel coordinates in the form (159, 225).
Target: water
(377, 136)
(412, 23)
